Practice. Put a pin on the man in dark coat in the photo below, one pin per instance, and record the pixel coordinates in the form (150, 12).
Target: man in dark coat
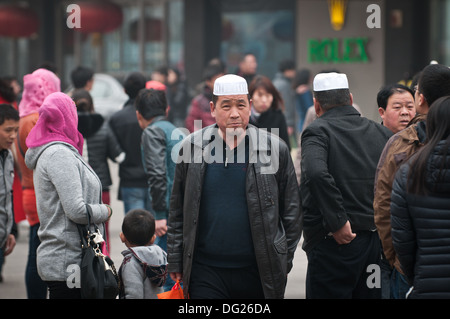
(340, 152)
(235, 218)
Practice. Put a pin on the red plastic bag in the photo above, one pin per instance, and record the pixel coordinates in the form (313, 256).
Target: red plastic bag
(175, 293)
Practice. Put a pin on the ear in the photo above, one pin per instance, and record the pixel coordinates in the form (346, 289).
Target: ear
(122, 237)
(140, 119)
(381, 111)
(351, 99)
(167, 110)
(212, 108)
(317, 108)
(423, 101)
(152, 240)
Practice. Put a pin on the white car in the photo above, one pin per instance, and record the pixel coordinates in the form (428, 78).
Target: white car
(108, 95)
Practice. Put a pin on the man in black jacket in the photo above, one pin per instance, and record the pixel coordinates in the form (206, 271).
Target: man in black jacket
(235, 218)
(340, 152)
(133, 189)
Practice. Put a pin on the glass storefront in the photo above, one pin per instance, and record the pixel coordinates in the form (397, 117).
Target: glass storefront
(440, 31)
(126, 49)
(268, 35)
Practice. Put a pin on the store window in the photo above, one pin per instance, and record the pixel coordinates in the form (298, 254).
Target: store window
(268, 35)
(125, 49)
(440, 31)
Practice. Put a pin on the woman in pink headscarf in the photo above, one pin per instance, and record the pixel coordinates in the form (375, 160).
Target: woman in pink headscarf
(36, 87)
(65, 186)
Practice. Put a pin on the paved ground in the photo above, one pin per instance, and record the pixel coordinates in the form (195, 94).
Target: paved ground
(13, 285)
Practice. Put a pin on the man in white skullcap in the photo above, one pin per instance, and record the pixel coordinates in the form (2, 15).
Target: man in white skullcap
(233, 225)
(340, 152)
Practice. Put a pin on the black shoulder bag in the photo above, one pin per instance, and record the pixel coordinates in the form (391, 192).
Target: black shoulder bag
(99, 279)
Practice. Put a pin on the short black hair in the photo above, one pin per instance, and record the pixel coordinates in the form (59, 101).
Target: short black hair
(332, 98)
(434, 82)
(150, 103)
(133, 83)
(8, 112)
(80, 76)
(286, 65)
(138, 227)
(388, 90)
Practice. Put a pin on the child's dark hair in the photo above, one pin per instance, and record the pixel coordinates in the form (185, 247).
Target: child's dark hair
(138, 227)
(8, 112)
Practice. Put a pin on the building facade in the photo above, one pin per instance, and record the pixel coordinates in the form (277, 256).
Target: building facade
(373, 41)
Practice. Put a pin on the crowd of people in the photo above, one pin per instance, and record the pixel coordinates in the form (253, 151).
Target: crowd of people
(214, 198)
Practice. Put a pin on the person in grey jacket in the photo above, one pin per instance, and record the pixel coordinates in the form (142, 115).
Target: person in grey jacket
(235, 216)
(65, 185)
(9, 126)
(144, 267)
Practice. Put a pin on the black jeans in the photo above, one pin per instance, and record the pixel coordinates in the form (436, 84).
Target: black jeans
(209, 282)
(59, 290)
(342, 271)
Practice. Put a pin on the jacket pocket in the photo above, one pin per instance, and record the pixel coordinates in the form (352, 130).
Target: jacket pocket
(281, 245)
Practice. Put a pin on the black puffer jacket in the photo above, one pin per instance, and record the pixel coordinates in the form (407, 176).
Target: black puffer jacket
(273, 203)
(421, 229)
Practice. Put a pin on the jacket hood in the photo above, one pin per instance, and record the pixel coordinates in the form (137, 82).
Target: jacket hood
(153, 261)
(32, 155)
(89, 123)
(153, 254)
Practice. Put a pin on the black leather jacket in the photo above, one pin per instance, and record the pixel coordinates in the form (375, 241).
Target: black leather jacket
(273, 207)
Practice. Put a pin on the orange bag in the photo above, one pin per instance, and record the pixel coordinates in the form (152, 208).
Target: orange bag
(175, 293)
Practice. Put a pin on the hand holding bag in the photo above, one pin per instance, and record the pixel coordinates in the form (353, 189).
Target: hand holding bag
(98, 275)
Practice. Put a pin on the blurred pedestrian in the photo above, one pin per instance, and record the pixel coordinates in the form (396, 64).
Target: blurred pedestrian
(200, 109)
(267, 106)
(133, 187)
(283, 81)
(396, 106)
(9, 126)
(420, 209)
(303, 98)
(234, 221)
(433, 83)
(144, 267)
(178, 97)
(100, 144)
(82, 78)
(65, 186)
(9, 89)
(7, 93)
(340, 151)
(37, 86)
(248, 66)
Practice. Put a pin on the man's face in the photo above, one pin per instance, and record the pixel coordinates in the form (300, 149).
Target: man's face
(8, 133)
(399, 111)
(232, 114)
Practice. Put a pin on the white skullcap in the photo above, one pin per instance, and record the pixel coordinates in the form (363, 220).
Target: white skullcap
(230, 84)
(330, 81)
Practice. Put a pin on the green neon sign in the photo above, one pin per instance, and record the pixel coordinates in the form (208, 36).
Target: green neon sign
(334, 50)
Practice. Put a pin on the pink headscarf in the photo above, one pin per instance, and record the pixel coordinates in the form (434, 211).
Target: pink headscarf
(36, 87)
(58, 121)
